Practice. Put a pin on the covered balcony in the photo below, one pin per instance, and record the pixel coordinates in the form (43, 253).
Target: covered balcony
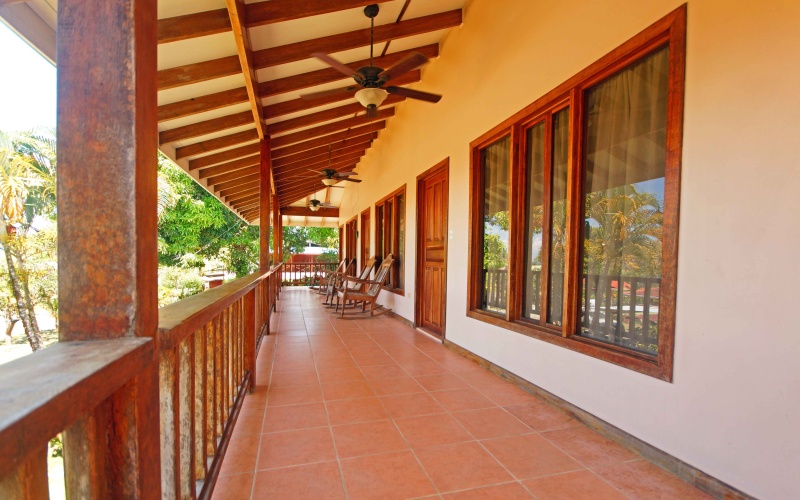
(583, 210)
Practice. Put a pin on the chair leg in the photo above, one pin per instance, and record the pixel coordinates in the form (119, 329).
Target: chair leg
(344, 300)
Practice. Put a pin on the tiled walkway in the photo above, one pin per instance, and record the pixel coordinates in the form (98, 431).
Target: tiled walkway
(371, 408)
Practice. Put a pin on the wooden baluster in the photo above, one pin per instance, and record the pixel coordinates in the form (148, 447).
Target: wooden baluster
(646, 308)
(210, 388)
(170, 432)
(29, 481)
(219, 389)
(632, 306)
(199, 404)
(249, 330)
(185, 416)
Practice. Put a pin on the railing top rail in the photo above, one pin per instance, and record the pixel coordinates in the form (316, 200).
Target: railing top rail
(177, 320)
(44, 393)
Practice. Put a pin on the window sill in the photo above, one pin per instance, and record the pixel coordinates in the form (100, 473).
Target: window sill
(620, 356)
(397, 291)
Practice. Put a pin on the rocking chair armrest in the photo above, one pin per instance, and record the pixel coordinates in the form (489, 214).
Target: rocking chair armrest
(366, 282)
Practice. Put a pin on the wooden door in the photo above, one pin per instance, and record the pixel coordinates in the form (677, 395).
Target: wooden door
(365, 237)
(350, 241)
(431, 283)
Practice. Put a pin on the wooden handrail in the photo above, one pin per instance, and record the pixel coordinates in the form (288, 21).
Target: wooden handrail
(47, 391)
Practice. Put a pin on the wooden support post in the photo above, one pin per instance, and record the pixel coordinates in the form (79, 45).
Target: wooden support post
(277, 229)
(266, 195)
(107, 260)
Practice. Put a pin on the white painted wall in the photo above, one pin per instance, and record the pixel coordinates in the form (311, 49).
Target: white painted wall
(734, 407)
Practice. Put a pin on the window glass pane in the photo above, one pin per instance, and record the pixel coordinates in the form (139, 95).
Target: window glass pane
(558, 216)
(535, 217)
(623, 197)
(496, 162)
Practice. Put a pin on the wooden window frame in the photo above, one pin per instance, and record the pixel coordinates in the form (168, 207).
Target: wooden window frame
(364, 235)
(350, 241)
(668, 31)
(399, 266)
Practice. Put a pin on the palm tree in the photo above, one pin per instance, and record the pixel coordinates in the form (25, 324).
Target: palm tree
(15, 170)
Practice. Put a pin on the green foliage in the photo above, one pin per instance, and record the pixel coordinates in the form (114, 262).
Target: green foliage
(495, 253)
(297, 238)
(328, 256)
(176, 283)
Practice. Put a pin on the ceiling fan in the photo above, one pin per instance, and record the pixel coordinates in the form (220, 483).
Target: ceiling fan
(331, 177)
(371, 79)
(315, 205)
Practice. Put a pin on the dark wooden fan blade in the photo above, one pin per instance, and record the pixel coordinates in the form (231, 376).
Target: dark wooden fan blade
(404, 65)
(351, 180)
(326, 93)
(340, 187)
(345, 174)
(414, 94)
(333, 63)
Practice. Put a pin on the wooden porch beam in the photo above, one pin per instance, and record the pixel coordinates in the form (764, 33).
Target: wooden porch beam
(310, 181)
(216, 158)
(360, 132)
(298, 191)
(198, 72)
(107, 252)
(339, 42)
(327, 115)
(229, 176)
(215, 144)
(205, 127)
(238, 189)
(277, 229)
(234, 182)
(231, 196)
(195, 105)
(275, 11)
(249, 161)
(210, 22)
(329, 128)
(307, 212)
(243, 198)
(313, 78)
(300, 104)
(337, 149)
(236, 11)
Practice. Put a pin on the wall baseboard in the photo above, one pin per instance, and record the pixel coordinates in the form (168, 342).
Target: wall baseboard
(399, 318)
(687, 472)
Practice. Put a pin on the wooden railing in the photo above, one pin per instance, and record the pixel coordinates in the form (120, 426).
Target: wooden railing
(303, 273)
(207, 347)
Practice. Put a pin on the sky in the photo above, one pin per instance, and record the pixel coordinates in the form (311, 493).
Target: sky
(27, 86)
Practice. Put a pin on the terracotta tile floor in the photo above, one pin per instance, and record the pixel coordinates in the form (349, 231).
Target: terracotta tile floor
(374, 409)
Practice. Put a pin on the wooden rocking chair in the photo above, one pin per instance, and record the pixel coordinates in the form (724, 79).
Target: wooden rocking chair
(355, 286)
(335, 280)
(320, 281)
(370, 289)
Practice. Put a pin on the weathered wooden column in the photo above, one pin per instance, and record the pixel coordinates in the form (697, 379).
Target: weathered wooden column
(277, 229)
(107, 261)
(264, 199)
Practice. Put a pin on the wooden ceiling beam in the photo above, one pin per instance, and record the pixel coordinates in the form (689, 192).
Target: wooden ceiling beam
(329, 128)
(296, 191)
(248, 161)
(329, 75)
(198, 72)
(224, 156)
(327, 115)
(205, 127)
(300, 104)
(248, 205)
(243, 199)
(214, 144)
(195, 105)
(235, 182)
(307, 212)
(238, 189)
(241, 192)
(298, 51)
(288, 183)
(275, 11)
(236, 11)
(286, 173)
(321, 153)
(265, 58)
(365, 131)
(229, 176)
(210, 22)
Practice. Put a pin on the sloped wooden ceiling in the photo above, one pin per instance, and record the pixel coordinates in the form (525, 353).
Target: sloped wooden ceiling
(232, 73)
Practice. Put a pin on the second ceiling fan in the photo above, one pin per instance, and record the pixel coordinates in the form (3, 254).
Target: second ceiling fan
(372, 79)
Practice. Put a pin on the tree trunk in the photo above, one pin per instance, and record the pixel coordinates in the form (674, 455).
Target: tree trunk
(9, 329)
(26, 293)
(34, 337)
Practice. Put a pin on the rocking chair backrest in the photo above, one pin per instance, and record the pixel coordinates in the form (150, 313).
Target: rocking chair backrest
(338, 279)
(367, 269)
(380, 275)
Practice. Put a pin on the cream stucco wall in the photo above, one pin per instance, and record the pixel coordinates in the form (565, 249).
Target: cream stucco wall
(733, 409)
